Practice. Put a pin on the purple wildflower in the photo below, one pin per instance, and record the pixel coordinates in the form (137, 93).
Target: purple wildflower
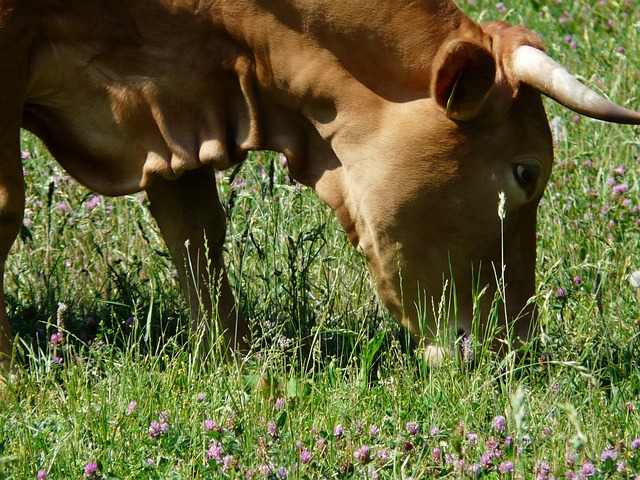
(374, 431)
(492, 444)
(56, 339)
(305, 456)
(363, 454)
(609, 454)
(560, 293)
(93, 202)
(215, 453)
(412, 428)
(459, 466)
(588, 470)
(620, 171)
(41, 475)
(486, 459)
(338, 431)
(501, 7)
(472, 438)
(620, 188)
(63, 207)
(91, 469)
(407, 447)
(577, 280)
(229, 463)
(279, 405)
(272, 430)
(434, 431)
(230, 422)
(542, 470)
(436, 454)
(210, 425)
(132, 407)
(200, 396)
(635, 444)
(383, 457)
(499, 424)
(154, 430)
(506, 467)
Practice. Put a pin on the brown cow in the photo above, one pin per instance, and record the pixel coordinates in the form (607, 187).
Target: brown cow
(406, 117)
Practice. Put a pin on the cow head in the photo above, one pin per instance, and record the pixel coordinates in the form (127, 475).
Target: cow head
(441, 193)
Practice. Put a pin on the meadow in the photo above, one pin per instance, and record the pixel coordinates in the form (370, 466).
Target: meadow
(110, 386)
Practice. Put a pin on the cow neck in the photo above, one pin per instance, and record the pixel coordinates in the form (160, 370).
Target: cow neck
(320, 60)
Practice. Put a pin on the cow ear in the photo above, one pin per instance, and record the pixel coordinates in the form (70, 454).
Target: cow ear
(464, 73)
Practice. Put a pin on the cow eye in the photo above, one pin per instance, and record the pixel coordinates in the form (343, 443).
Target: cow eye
(526, 173)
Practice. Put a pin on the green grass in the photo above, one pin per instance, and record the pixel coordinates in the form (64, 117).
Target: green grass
(297, 278)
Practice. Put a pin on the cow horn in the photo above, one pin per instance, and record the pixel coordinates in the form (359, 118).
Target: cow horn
(536, 69)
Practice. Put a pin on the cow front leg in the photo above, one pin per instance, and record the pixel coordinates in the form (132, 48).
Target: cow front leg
(189, 215)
